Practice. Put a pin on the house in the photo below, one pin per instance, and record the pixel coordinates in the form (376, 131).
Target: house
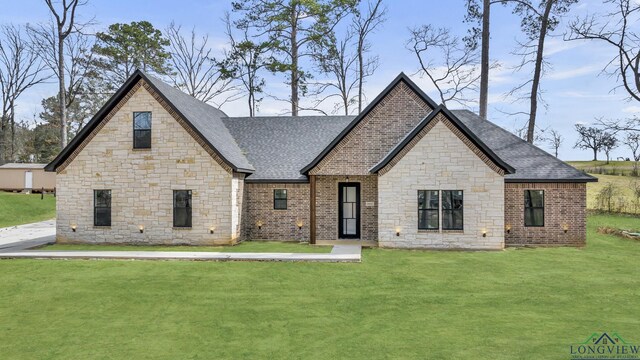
(157, 166)
(26, 177)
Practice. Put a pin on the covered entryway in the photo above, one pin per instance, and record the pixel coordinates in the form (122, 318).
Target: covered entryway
(349, 210)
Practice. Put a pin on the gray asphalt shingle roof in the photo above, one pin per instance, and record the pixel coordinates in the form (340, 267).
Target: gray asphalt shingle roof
(207, 120)
(280, 146)
(530, 162)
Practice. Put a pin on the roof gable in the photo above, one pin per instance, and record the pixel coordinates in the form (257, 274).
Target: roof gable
(401, 78)
(203, 121)
(426, 123)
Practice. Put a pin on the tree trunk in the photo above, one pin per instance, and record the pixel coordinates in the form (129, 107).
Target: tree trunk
(13, 132)
(595, 155)
(360, 71)
(294, 63)
(535, 84)
(484, 61)
(62, 97)
(3, 134)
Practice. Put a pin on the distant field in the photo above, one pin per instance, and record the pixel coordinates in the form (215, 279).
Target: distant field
(601, 167)
(16, 209)
(616, 173)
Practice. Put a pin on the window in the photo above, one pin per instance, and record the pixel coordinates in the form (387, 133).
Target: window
(534, 208)
(182, 208)
(452, 210)
(280, 199)
(428, 208)
(142, 130)
(102, 207)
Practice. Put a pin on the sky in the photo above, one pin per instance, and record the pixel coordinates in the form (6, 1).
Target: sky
(575, 90)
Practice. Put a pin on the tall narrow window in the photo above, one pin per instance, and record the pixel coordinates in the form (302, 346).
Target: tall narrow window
(534, 208)
(142, 130)
(102, 207)
(280, 199)
(181, 208)
(428, 208)
(452, 210)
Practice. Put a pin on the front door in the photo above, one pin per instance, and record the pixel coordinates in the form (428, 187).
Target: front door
(349, 210)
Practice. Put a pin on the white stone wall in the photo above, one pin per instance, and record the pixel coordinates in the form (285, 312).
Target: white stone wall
(142, 184)
(441, 161)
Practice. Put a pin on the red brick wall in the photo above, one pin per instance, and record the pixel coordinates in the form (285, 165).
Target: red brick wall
(327, 206)
(277, 224)
(565, 203)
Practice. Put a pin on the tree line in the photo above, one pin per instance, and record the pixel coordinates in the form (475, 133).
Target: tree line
(322, 48)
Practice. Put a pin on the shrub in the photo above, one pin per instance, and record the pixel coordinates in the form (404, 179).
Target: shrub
(606, 197)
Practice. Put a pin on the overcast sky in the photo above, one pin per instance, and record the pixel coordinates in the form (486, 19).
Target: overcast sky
(574, 89)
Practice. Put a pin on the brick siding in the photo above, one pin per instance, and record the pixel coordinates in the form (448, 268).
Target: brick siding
(276, 224)
(564, 204)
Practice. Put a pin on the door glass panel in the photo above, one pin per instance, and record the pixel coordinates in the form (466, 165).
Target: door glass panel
(351, 227)
(351, 194)
(347, 211)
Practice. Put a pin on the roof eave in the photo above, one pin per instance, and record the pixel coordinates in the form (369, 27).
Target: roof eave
(402, 77)
(581, 180)
(508, 169)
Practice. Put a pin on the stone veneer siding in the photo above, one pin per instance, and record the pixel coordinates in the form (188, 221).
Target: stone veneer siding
(327, 206)
(142, 181)
(440, 160)
(564, 204)
(276, 224)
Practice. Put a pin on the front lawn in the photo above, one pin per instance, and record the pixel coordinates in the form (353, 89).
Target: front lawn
(246, 246)
(513, 304)
(16, 209)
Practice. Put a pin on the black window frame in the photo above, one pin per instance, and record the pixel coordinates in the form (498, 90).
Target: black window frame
(426, 209)
(137, 131)
(277, 201)
(189, 209)
(452, 211)
(530, 207)
(97, 206)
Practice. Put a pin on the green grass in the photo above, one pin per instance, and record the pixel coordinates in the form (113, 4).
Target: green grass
(247, 246)
(16, 209)
(601, 163)
(513, 304)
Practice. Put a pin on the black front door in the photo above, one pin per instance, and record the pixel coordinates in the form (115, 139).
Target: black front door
(349, 210)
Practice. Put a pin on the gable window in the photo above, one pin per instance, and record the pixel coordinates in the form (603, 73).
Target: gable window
(534, 208)
(182, 208)
(452, 210)
(428, 208)
(142, 130)
(102, 207)
(280, 199)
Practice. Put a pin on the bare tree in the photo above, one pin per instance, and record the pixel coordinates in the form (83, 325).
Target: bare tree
(615, 28)
(589, 138)
(337, 61)
(609, 142)
(481, 14)
(364, 24)
(245, 59)
(555, 139)
(77, 70)
(456, 72)
(632, 140)
(20, 69)
(537, 21)
(64, 25)
(196, 70)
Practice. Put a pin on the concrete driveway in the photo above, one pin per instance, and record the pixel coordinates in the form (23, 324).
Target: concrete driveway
(25, 236)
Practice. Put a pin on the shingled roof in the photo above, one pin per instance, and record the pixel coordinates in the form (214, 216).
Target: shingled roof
(280, 146)
(279, 149)
(204, 119)
(532, 164)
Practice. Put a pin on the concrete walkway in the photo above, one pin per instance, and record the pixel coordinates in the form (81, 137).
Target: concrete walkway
(27, 236)
(339, 253)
